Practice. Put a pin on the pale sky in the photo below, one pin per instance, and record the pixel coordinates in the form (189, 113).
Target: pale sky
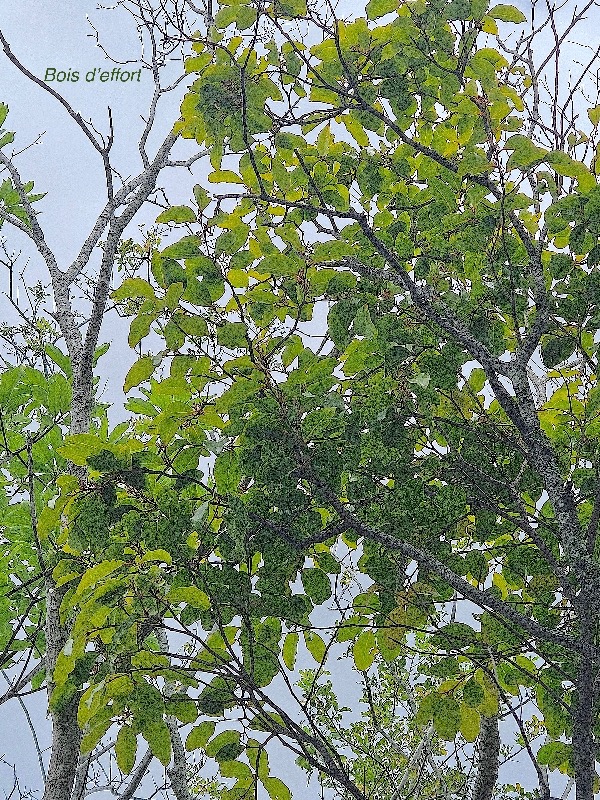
(49, 34)
(43, 34)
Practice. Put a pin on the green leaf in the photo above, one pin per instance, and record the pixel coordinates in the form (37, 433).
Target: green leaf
(363, 325)
(157, 735)
(199, 735)
(183, 708)
(232, 334)
(455, 635)
(447, 717)
(38, 680)
(364, 650)
(556, 755)
(316, 584)
(332, 251)
(140, 328)
(233, 240)
(291, 8)
(594, 115)
(245, 17)
(188, 247)
(292, 350)
(315, 646)
(525, 152)
(177, 214)
(60, 359)
(227, 473)
(201, 196)
(507, 13)
(379, 8)
(100, 351)
(290, 647)
(276, 788)
(225, 746)
(139, 372)
(191, 325)
(557, 349)
(59, 394)
(473, 693)
(126, 749)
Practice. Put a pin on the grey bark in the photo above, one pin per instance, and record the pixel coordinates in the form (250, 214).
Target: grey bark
(488, 752)
(584, 751)
(177, 768)
(66, 734)
(137, 776)
(83, 765)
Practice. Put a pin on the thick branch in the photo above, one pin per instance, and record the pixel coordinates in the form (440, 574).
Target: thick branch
(488, 752)
(136, 777)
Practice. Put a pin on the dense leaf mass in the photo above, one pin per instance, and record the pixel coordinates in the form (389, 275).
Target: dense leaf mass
(364, 427)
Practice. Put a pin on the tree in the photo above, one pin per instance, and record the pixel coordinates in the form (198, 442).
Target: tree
(46, 392)
(403, 176)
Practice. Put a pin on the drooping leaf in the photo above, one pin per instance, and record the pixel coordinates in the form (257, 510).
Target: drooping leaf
(126, 749)
(507, 13)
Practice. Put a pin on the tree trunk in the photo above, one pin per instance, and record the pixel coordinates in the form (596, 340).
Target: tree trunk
(583, 718)
(66, 734)
(488, 751)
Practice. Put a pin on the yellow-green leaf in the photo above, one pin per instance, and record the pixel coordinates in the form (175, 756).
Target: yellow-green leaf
(356, 130)
(92, 576)
(470, 722)
(224, 176)
(238, 278)
(379, 8)
(507, 13)
(364, 650)
(159, 740)
(276, 788)
(315, 645)
(594, 115)
(290, 646)
(177, 214)
(157, 555)
(126, 749)
(139, 372)
(191, 595)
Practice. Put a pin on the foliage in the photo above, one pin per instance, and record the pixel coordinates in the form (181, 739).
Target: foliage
(412, 165)
(369, 427)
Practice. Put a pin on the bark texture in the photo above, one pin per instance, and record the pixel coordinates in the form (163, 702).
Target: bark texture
(488, 751)
(583, 727)
(66, 734)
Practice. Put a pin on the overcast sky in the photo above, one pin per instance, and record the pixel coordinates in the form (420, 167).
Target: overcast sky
(46, 35)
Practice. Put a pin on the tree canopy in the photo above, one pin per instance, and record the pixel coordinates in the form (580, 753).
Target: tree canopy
(362, 422)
